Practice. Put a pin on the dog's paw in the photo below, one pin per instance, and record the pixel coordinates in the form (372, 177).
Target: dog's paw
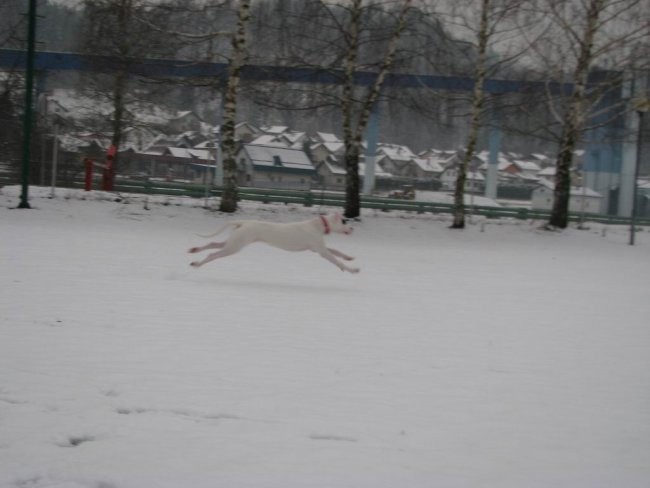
(193, 250)
(195, 264)
(354, 270)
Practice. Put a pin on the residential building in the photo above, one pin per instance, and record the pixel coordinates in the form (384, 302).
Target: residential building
(581, 199)
(271, 166)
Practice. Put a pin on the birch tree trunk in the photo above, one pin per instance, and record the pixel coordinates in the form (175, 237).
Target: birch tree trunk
(353, 133)
(478, 98)
(230, 190)
(124, 13)
(573, 119)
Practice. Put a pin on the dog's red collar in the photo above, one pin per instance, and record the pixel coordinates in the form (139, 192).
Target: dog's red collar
(326, 224)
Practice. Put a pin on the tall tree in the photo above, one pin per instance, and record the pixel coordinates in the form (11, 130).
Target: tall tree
(477, 111)
(581, 37)
(573, 118)
(237, 60)
(490, 29)
(356, 109)
(114, 28)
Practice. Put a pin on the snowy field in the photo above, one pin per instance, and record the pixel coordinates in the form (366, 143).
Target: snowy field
(500, 356)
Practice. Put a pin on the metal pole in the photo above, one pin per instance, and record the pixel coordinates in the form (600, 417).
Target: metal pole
(55, 158)
(29, 87)
(636, 176)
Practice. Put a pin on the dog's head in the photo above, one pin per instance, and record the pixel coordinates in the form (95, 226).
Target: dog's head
(337, 223)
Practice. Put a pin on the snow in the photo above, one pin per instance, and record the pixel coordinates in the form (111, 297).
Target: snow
(498, 356)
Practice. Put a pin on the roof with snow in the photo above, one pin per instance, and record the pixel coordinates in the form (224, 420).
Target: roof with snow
(430, 165)
(327, 137)
(183, 152)
(278, 157)
(528, 166)
(396, 152)
(337, 169)
(275, 129)
(575, 190)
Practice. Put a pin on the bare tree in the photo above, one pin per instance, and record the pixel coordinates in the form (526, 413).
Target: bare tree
(490, 30)
(114, 29)
(572, 120)
(579, 37)
(237, 60)
(359, 107)
(477, 111)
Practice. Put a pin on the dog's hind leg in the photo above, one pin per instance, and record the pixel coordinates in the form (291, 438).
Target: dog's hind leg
(212, 245)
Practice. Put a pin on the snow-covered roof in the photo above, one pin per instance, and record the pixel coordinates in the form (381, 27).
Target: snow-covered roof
(502, 160)
(549, 171)
(501, 165)
(272, 155)
(575, 190)
(268, 140)
(430, 164)
(293, 136)
(337, 169)
(396, 152)
(182, 152)
(332, 147)
(327, 137)
(275, 129)
(528, 166)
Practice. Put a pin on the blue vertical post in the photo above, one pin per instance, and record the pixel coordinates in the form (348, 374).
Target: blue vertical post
(494, 141)
(372, 136)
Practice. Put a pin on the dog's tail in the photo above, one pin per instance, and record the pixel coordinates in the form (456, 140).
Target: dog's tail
(234, 224)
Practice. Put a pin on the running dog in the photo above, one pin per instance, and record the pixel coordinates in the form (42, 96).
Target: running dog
(298, 236)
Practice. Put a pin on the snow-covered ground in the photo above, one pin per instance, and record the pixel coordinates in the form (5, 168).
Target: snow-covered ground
(498, 356)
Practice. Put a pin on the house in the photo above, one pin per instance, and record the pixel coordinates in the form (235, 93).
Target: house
(246, 132)
(581, 199)
(525, 171)
(427, 169)
(322, 151)
(548, 174)
(271, 166)
(474, 181)
(170, 163)
(396, 159)
(325, 137)
(331, 174)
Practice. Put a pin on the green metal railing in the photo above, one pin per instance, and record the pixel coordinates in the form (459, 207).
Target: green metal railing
(316, 197)
(337, 199)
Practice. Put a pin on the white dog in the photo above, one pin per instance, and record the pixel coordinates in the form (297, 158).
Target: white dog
(297, 236)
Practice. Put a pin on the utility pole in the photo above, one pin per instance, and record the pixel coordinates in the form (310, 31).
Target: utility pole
(29, 88)
(642, 105)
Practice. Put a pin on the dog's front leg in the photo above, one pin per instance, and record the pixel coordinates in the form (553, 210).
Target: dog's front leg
(212, 245)
(332, 259)
(339, 254)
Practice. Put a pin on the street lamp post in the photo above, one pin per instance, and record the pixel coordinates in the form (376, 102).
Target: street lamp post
(641, 106)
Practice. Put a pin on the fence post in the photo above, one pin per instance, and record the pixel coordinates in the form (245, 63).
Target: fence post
(309, 198)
